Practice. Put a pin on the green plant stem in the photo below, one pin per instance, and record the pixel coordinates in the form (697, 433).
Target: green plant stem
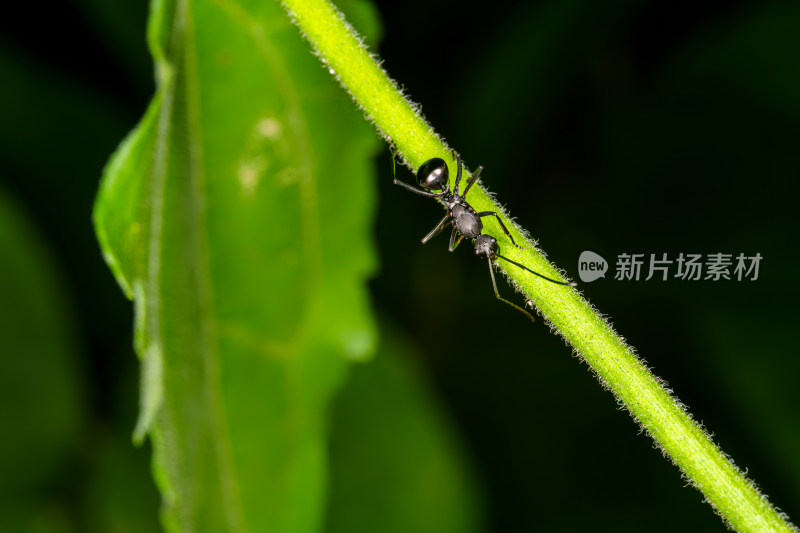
(612, 360)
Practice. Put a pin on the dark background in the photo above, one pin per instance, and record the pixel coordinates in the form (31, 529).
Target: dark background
(617, 127)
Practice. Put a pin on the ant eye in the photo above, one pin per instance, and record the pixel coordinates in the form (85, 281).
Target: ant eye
(433, 175)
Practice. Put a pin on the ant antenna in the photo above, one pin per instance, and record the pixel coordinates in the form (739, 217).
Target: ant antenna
(486, 245)
(497, 294)
(566, 283)
(491, 273)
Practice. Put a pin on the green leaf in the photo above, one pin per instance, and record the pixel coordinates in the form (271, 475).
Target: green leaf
(237, 215)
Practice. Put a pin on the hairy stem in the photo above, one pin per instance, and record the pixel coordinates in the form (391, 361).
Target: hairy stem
(613, 361)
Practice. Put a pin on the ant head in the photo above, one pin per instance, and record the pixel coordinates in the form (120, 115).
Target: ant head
(433, 175)
(486, 245)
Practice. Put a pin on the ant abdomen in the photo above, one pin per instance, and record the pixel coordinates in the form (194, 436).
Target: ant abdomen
(433, 175)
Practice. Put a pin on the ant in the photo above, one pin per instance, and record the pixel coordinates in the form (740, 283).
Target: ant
(434, 176)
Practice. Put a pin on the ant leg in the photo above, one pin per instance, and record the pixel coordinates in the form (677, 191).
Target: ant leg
(458, 173)
(437, 230)
(494, 285)
(505, 229)
(472, 180)
(415, 190)
(454, 242)
(404, 184)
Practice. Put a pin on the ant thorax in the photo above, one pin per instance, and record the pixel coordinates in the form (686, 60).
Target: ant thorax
(466, 221)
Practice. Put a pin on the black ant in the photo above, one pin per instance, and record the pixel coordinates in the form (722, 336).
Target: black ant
(434, 176)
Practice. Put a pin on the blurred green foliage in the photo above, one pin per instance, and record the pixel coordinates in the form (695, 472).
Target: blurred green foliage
(222, 216)
(622, 126)
(36, 335)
